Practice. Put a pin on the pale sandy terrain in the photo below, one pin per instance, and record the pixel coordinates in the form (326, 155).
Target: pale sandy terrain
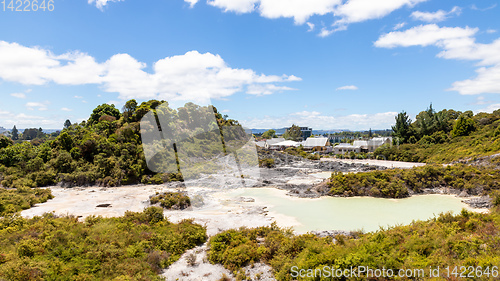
(218, 212)
(383, 163)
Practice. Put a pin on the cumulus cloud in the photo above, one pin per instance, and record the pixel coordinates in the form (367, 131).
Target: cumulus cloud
(344, 12)
(101, 3)
(348, 87)
(456, 43)
(319, 121)
(192, 76)
(437, 16)
(19, 95)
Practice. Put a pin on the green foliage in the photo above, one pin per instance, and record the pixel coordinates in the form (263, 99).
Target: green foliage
(171, 200)
(136, 246)
(15, 133)
(106, 150)
(269, 134)
(67, 124)
(266, 162)
(396, 183)
(402, 129)
(463, 127)
(481, 139)
(103, 110)
(293, 133)
(15, 200)
(4, 142)
(468, 239)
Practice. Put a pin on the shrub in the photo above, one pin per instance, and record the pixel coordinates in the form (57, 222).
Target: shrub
(171, 200)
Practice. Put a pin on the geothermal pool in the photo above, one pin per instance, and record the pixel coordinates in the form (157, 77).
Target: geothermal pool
(356, 213)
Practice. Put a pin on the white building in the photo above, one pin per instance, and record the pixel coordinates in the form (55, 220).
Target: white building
(346, 148)
(371, 145)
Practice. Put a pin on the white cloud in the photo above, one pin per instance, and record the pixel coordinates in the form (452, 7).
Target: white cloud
(101, 3)
(238, 6)
(399, 26)
(22, 121)
(348, 87)
(487, 81)
(319, 121)
(456, 43)
(437, 16)
(191, 2)
(192, 76)
(36, 66)
(361, 10)
(40, 106)
(311, 26)
(489, 109)
(344, 12)
(66, 109)
(299, 10)
(474, 7)
(19, 95)
(491, 31)
(423, 35)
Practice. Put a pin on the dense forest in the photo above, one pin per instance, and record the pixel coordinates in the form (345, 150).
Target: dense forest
(105, 150)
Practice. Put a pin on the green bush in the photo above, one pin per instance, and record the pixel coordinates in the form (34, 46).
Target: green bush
(462, 240)
(136, 246)
(171, 200)
(396, 183)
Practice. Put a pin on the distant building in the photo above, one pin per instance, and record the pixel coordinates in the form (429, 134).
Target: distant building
(362, 145)
(339, 138)
(317, 144)
(372, 144)
(346, 148)
(270, 143)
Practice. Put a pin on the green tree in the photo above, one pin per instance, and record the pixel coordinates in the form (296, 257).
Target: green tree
(30, 134)
(102, 110)
(425, 122)
(67, 124)
(463, 126)
(4, 142)
(129, 109)
(402, 129)
(15, 133)
(293, 133)
(269, 134)
(370, 134)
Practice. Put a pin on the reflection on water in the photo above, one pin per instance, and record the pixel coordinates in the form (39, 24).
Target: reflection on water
(366, 213)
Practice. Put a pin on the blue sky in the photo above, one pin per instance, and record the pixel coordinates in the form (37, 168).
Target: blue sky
(328, 64)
